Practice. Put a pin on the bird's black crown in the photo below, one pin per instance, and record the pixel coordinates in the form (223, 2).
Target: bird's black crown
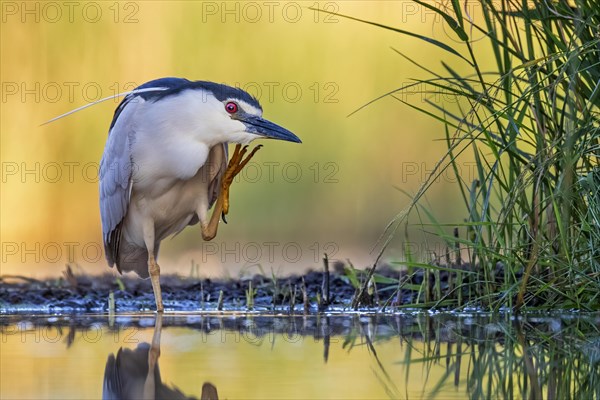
(172, 86)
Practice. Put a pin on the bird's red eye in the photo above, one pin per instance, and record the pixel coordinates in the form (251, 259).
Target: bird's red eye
(231, 107)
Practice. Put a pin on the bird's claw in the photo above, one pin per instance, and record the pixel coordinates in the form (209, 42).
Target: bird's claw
(236, 164)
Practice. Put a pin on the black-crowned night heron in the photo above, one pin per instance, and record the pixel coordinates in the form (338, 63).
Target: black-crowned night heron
(165, 165)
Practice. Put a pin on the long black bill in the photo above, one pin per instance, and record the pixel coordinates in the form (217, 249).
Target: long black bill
(263, 127)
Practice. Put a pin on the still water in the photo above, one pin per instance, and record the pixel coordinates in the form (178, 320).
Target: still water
(329, 356)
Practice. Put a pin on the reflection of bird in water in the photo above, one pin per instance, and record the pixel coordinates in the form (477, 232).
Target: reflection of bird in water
(134, 374)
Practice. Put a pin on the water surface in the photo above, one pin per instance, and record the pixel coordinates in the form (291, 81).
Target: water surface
(329, 356)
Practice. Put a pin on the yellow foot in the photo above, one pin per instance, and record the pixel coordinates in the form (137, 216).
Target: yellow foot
(236, 164)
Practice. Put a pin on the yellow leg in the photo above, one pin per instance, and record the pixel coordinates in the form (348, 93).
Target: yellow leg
(236, 164)
(154, 271)
(209, 231)
(153, 268)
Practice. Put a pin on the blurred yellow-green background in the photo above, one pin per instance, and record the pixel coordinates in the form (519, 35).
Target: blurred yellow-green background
(334, 193)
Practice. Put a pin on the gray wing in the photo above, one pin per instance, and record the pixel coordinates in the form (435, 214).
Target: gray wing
(115, 178)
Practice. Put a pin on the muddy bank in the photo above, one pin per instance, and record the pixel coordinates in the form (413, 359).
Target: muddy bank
(311, 292)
